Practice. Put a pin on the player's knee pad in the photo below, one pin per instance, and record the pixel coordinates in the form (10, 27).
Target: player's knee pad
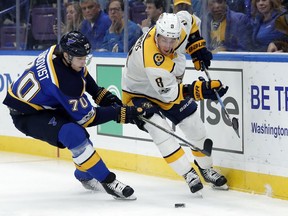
(71, 135)
(158, 135)
(194, 129)
(84, 155)
(175, 156)
(87, 159)
(168, 146)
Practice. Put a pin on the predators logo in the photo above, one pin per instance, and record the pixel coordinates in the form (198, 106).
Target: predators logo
(158, 59)
(147, 105)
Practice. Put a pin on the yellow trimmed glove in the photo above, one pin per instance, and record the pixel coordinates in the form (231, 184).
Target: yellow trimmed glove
(197, 50)
(106, 98)
(129, 114)
(200, 89)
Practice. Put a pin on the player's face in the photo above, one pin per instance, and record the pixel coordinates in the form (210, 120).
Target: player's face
(78, 63)
(166, 45)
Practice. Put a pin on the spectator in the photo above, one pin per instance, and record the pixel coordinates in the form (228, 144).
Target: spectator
(185, 5)
(281, 23)
(73, 20)
(265, 13)
(243, 6)
(278, 46)
(95, 22)
(114, 37)
(153, 10)
(224, 29)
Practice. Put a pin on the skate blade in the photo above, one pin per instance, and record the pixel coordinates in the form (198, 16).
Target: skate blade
(223, 187)
(130, 198)
(199, 194)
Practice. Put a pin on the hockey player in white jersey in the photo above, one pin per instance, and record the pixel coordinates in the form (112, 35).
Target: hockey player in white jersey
(153, 78)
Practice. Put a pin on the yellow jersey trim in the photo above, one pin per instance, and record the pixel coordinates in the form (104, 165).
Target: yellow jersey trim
(51, 66)
(37, 107)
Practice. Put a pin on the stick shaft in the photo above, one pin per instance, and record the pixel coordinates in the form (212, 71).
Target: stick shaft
(218, 97)
(223, 106)
(171, 133)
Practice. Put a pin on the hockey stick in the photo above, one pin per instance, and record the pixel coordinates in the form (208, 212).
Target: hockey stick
(234, 121)
(208, 144)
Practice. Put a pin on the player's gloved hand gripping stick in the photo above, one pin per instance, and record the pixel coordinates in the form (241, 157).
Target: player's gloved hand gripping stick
(208, 144)
(234, 121)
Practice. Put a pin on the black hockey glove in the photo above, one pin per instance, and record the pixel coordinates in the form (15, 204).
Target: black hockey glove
(201, 89)
(128, 114)
(198, 52)
(106, 98)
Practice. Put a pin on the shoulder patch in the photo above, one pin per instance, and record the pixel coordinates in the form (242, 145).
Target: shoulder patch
(158, 58)
(184, 22)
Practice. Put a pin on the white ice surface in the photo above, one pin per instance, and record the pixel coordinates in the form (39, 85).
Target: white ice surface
(37, 186)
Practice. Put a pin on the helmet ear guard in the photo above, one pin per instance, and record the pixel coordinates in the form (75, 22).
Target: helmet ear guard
(75, 44)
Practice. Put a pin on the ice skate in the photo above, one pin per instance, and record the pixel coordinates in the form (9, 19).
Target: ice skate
(92, 184)
(193, 181)
(217, 180)
(119, 190)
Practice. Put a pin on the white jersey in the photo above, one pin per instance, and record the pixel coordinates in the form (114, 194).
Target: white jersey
(150, 74)
(198, 22)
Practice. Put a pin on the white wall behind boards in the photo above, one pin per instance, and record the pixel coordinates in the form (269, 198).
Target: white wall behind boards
(257, 96)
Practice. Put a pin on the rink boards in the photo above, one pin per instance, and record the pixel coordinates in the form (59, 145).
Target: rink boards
(257, 96)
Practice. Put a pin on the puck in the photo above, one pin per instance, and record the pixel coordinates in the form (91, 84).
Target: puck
(179, 205)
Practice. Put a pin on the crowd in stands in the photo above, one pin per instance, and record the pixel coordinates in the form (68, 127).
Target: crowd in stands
(114, 37)
(226, 25)
(225, 29)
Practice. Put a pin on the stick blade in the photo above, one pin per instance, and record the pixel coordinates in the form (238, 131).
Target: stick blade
(235, 125)
(208, 145)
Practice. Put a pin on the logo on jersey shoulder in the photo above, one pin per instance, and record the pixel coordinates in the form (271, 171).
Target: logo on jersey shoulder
(184, 22)
(147, 105)
(158, 59)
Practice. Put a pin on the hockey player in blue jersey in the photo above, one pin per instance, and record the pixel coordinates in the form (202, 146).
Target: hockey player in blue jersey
(49, 102)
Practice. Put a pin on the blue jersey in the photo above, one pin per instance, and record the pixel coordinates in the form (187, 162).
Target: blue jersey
(49, 84)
